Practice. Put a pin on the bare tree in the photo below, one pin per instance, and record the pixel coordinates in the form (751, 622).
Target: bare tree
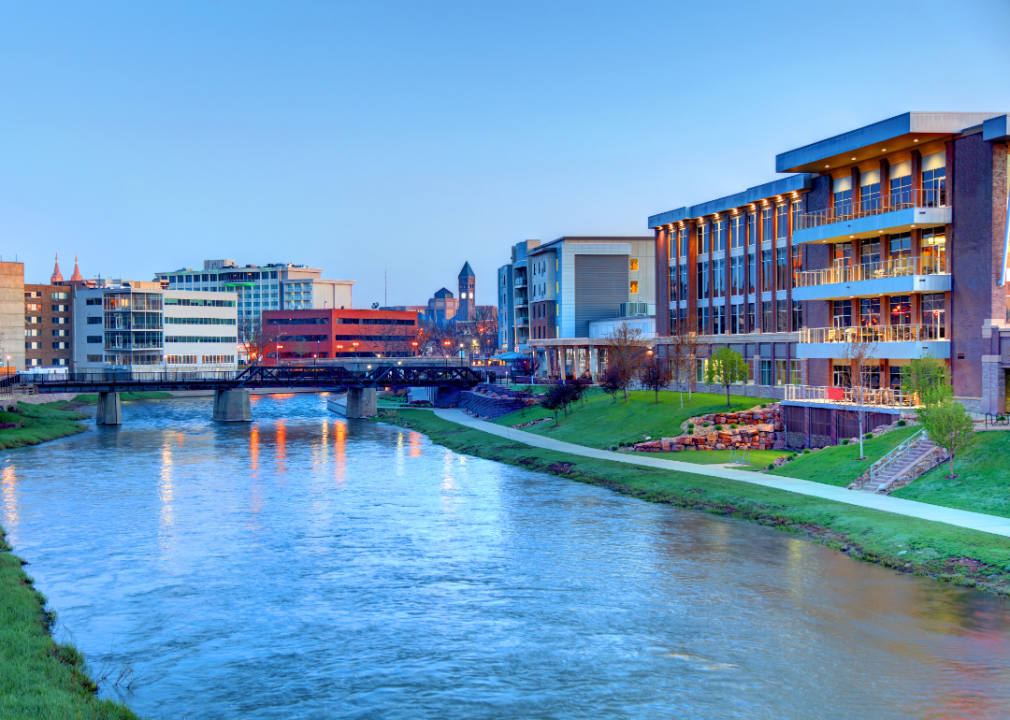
(682, 351)
(486, 330)
(258, 340)
(394, 339)
(656, 374)
(859, 353)
(625, 350)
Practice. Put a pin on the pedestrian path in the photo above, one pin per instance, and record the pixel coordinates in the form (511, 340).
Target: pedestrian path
(886, 503)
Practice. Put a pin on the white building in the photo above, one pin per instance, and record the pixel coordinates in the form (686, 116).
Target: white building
(277, 286)
(128, 328)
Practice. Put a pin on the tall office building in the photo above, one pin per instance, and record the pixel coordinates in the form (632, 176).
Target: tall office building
(513, 300)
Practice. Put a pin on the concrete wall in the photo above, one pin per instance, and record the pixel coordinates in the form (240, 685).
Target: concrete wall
(12, 313)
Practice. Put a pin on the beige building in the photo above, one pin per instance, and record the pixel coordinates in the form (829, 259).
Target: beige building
(12, 315)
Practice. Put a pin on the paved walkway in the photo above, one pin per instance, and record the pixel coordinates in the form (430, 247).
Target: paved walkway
(910, 508)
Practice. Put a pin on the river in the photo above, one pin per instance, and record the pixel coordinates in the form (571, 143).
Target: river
(303, 566)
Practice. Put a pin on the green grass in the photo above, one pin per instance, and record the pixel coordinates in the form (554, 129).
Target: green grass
(602, 422)
(40, 678)
(840, 465)
(38, 424)
(92, 398)
(757, 458)
(964, 557)
(982, 483)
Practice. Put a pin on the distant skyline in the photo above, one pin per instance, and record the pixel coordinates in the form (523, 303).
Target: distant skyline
(411, 137)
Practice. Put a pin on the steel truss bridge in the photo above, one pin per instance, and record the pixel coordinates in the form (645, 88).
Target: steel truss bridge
(322, 377)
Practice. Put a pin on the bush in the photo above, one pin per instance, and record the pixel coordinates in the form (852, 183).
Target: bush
(690, 426)
(763, 405)
(902, 423)
(806, 451)
(771, 466)
(707, 424)
(868, 436)
(718, 427)
(845, 441)
(734, 426)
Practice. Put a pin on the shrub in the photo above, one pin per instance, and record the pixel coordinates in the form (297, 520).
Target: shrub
(707, 424)
(806, 451)
(764, 405)
(771, 466)
(845, 441)
(690, 426)
(868, 436)
(734, 426)
(718, 427)
(902, 423)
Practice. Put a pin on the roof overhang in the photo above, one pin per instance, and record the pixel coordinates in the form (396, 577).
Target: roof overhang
(996, 129)
(887, 136)
(783, 186)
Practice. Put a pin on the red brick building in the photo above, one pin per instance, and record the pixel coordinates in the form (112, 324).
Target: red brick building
(307, 335)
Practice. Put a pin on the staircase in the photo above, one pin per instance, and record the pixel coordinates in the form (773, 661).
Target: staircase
(898, 463)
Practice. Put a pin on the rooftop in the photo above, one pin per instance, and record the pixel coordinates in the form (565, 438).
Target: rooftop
(748, 196)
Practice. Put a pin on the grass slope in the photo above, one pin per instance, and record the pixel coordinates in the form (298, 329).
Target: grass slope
(92, 398)
(757, 459)
(40, 678)
(982, 483)
(602, 422)
(964, 557)
(38, 424)
(840, 465)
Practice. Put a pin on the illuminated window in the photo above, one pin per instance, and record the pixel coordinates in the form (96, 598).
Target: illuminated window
(634, 286)
(634, 264)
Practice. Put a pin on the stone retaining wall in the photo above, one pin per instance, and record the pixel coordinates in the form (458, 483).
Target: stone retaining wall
(759, 429)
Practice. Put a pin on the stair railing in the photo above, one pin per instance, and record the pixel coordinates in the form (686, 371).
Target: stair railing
(899, 453)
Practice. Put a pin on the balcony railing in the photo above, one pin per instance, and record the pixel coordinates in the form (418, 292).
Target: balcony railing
(520, 282)
(870, 397)
(879, 205)
(875, 333)
(900, 267)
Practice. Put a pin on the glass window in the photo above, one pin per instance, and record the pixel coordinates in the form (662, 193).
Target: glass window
(934, 184)
(901, 191)
(751, 320)
(782, 315)
(895, 377)
(634, 287)
(934, 246)
(843, 202)
(797, 263)
(683, 243)
(901, 310)
(797, 214)
(901, 246)
(702, 280)
(736, 269)
(841, 254)
(767, 372)
(736, 319)
(841, 313)
(737, 231)
(752, 273)
(751, 228)
(683, 282)
(781, 372)
(934, 316)
(841, 375)
(718, 235)
(719, 278)
(702, 244)
(797, 315)
(634, 264)
(768, 319)
(869, 196)
(869, 311)
(703, 321)
(768, 223)
(782, 215)
(700, 366)
(767, 280)
(782, 268)
(869, 252)
(719, 320)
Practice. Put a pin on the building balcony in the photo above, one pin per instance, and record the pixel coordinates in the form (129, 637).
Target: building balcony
(902, 276)
(850, 397)
(895, 213)
(520, 301)
(899, 342)
(522, 322)
(520, 282)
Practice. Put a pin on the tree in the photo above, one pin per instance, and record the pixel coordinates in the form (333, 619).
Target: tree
(625, 350)
(557, 397)
(611, 382)
(656, 374)
(726, 367)
(926, 379)
(682, 352)
(859, 352)
(948, 425)
(486, 330)
(258, 341)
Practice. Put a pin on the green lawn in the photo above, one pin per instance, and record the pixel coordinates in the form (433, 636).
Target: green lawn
(982, 483)
(40, 678)
(757, 459)
(39, 423)
(930, 548)
(602, 422)
(92, 399)
(839, 465)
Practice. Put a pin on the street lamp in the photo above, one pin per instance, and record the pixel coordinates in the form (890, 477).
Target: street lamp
(447, 344)
(278, 352)
(461, 354)
(355, 345)
(414, 345)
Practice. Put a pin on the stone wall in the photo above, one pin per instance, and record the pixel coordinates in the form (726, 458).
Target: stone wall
(759, 429)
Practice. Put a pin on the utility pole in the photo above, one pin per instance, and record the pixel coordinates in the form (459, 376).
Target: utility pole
(385, 288)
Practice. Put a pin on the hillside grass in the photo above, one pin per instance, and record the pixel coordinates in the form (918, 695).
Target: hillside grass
(982, 483)
(92, 398)
(39, 424)
(603, 422)
(964, 557)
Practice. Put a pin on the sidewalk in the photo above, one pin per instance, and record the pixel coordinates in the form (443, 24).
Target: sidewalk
(910, 508)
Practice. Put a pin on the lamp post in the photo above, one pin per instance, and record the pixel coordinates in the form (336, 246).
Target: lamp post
(355, 346)
(278, 351)
(447, 344)
(414, 345)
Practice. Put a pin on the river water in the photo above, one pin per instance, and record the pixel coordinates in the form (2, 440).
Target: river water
(303, 566)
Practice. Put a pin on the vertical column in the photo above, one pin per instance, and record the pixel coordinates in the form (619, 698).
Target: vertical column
(789, 267)
(759, 270)
(110, 410)
(916, 176)
(993, 385)
(885, 185)
(692, 273)
(775, 267)
(663, 281)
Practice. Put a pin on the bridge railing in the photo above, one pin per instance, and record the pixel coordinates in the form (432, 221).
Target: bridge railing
(99, 377)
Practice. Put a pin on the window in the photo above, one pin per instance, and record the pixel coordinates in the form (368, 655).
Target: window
(869, 312)
(34, 320)
(795, 372)
(901, 190)
(736, 270)
(223, 339)
(61, 345)
(869, 252)
(634, 287)
(737, 231)
(719, 235)
(841, 311)
(704, 234)
(895, 373)
(934, 180)
(752, 273)
(751, 228)
(869, 194)
(736, 320)
(703, 320)
(901, 310)
(767, 278)
(220, 359)
(768, 316)
(843, 196)
(797, 214)
(634, 264)
(751, 320)
(180, 359)
(934, 246)
(33, 333)
(781, 372)
(33, 307)
(782, 215)
(901, 251)
(95, 320)
(702, 280)
(231, 321)
(782, 268)
(59, 296)
(841, 254)
(797, 315)
(61, 321)
(767, 373)
(683, 243)
(700, 365)
(34, 345)
(768, 224)
(719, 278)
(33, 294)
(94, 358)
(94, 338)
(683, 282)
(933, 316)
(782, 315)
(797, 263)
(61, 333)
(93, 301)
(719, 320)
(841, 376)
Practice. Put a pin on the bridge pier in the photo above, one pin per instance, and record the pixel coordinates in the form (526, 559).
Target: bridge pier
(361, 402)
(232, 406)
(110, 410)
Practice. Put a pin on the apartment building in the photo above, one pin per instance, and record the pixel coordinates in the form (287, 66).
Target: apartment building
(313, 335)
(49, 326)
(276, 286)
(12, 317)
(575, 282)
(139, 326)
(513, 299)
(894, 233)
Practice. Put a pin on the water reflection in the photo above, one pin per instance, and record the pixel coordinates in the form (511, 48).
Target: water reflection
(442, 586)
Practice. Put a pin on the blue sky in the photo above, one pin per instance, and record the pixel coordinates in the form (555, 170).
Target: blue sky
(413, 136)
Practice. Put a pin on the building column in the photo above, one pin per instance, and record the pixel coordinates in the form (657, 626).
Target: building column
(361, 402)
(663, 280)
(232, 405)
(993, 385)
(110, 410)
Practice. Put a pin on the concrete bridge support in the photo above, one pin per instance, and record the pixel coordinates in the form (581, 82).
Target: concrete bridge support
(232, 406)
(110, 410)
(361, 402)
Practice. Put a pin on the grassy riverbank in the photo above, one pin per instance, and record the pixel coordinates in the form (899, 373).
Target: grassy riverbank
(40, 678)
(92, 399)
(38, 424)
(964, 557)
(603, 422)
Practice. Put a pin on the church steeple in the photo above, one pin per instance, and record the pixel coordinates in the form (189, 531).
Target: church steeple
(57, 277)
(76, 277)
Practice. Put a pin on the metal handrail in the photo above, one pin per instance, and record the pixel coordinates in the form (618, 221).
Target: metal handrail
(879, 205)
(875, 333)
(899, 452)
(875, 397)
(899, 267)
